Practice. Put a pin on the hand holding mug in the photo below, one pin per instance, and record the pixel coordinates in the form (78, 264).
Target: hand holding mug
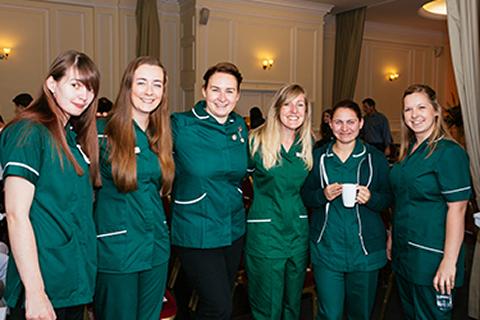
(363, 194)
(332, 191)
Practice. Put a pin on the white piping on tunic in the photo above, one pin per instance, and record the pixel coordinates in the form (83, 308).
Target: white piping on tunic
(101, 135)
(360, 154)
(79, 147)
(199, 116)
(250, 170)
(191, 201)
(324, 176)
(456, 190)
(324, 223)
(240, 190)
(303, 216)
(23, 165)
(110, 234)
(258, 220)
(413, 244)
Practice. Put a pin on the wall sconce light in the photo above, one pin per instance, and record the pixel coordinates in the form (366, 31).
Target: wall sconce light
(392, 76)
(267, 64)
(4, 55)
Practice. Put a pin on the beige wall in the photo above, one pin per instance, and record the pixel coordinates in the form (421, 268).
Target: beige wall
(246, 32)
(104, 29)
(418, 56)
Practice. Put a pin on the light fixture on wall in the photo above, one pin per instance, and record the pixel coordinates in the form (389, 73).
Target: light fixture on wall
(267, 64)
(392, 76)
(435, 9)
(4, 55)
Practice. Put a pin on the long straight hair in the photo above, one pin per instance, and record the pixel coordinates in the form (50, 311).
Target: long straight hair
(46, 111)
(267, 139)
(440, 130)
(121, 134)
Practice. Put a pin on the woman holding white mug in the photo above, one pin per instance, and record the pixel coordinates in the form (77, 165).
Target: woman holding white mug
(347, 240)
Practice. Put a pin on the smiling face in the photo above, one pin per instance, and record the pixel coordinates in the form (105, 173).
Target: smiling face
(71, 95)
(147, 90)
(419, 114)
(221, 95)
(292, 113)
(345, 125)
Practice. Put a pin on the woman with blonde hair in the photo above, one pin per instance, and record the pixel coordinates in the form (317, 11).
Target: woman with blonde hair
(431, 184)
(49, 155)
(137, 168)
(277, 224)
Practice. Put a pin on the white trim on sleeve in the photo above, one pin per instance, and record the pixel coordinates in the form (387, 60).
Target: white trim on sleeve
(23, 165)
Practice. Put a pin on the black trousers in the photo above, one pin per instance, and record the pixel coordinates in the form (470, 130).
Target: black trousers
(211, 272)
(67, 313)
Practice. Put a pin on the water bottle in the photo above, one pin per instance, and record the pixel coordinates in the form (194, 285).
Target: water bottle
(444, 302)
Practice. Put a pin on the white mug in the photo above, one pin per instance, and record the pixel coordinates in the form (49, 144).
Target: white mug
(349, 194)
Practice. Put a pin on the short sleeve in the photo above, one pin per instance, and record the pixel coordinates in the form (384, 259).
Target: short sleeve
(21, 149)
(453, 173)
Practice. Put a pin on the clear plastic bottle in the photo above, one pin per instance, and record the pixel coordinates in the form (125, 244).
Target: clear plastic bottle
(444, 302)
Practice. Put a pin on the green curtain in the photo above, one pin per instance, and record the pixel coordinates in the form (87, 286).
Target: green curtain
(148, 28)
(348, 45)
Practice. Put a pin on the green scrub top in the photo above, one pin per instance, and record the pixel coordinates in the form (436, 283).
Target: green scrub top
(132, 231)
(348, 239)
(277, 224)
(423, 185)
(210, 163)
(61, 213)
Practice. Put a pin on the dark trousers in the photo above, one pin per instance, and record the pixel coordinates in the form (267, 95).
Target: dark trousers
(67, 313)
(419, 302)
(211, 272)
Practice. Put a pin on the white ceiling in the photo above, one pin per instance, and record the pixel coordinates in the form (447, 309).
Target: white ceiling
(397, 12)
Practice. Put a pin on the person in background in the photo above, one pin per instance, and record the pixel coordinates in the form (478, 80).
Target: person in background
(431, 184)
(376, 130)
(347, 243)
(21, 101)
(49, 154)
(256, 117)
(277, 225)
(325, 130)
(137, 168)
(104, 107)
(208, 216)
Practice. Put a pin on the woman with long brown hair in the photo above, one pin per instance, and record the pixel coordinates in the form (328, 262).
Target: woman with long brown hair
(137, 167)
(49, 154)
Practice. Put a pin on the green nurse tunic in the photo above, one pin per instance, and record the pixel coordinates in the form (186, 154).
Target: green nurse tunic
(132, 232)
(277, 224)
(348, 239)
(423, 185)
(277, 236)
(61, 213)
(210, 163)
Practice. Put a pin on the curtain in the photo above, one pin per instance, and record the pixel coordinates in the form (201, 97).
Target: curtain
(348, 46)
(463, 31)
(148, 28)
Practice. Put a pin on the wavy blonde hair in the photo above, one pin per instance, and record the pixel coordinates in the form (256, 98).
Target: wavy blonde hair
(440, 129)
(267, 139)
